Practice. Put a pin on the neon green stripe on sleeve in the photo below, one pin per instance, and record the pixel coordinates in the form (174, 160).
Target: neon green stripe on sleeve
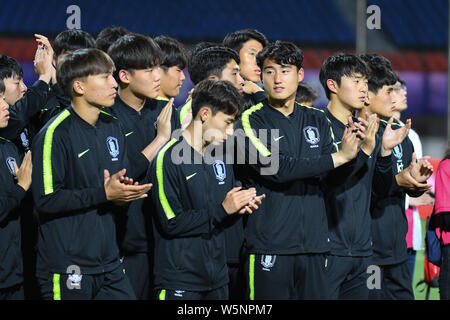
(249, 132)
(56, 287)
(184, 110)
(162, 294)
(251, 276)
(160, 177)
(47, 154)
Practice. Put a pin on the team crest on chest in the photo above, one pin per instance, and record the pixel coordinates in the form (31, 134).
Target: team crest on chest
(398, 151)
(219, 171)
(113, 147)
(267, 261)
(312, 136)
(9, 164)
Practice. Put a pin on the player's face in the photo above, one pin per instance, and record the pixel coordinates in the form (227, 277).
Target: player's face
(4, 114)
(231, 74)
(281, 81)
(381, 103)
(14, 89)
(145, 83)
(100, 89)
(247, 55)
(171, 82)
(218, 127)
(399, 99)
(353, 91)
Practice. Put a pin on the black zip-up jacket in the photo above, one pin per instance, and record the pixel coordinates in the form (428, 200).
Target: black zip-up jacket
(292, 218)
(22, 113)
(76, 224)
(190, 247)
(349, 191)
(56, 102)
(140, 129)
(389, 223)
(11, 196)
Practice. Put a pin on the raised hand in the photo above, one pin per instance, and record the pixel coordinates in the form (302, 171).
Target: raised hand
(164, 121)
(369, 143)
(392, 138)
(421, 169)
(23, 174)
(119, 190)
(43, 59)
(237, 199)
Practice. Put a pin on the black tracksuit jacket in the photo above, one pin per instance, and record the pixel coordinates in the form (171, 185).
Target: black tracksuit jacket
(11, 196)
(76, 224)
(134, 227)
(189, 222)
(348, 196)
(292, 218)
(389, 223)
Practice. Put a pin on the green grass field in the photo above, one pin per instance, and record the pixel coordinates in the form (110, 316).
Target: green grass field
(418, 274)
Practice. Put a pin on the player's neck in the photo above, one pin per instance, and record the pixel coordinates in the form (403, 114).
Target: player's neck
(339, 110)
(135, 102)
(193, 135)
(286, 107)
(86, 111)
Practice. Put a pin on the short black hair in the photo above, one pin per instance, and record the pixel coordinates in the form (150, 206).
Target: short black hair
(282, 52)
(339, 65)
(197, 48)
(71, 40)
(2, 86)
(305, 93)
(108, 36)
(80, 64)
(380, 74)
(235, 40)
(134, 52)
(175, 54)
(9, 67)
(376, 59)
(220, 96)
(210, 61)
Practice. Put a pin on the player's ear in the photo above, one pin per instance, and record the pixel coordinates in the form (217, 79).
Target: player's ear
(124, 76)
(332, 86)
(205, 113)
(78, 87)
(213, 77)
(301, 75)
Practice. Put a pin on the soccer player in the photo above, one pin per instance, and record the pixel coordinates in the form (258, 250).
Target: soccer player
(194, 199)
(248, 43)
(108, 36)
(148, 124)
(414, 235)
(306, 95)
(389, 225)
(15, 182)
(287, 239)
(214, 63)
(173, 63)
(349, 188)
(80, 160)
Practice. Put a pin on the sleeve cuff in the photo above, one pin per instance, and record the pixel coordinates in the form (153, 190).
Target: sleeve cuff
(100, 195)
(18, 193)
(219, 213)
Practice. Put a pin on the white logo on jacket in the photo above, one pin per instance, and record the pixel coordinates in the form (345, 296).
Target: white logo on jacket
(9, 164)
(219, 171)
(113, 147)
(312, 136)
(267, 261)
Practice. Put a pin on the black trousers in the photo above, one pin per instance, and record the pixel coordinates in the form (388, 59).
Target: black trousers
(347, 278)
(216, 294)
(395, 283)
(113, 285)
(444, 274)
(138, 269)
(287, 277)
